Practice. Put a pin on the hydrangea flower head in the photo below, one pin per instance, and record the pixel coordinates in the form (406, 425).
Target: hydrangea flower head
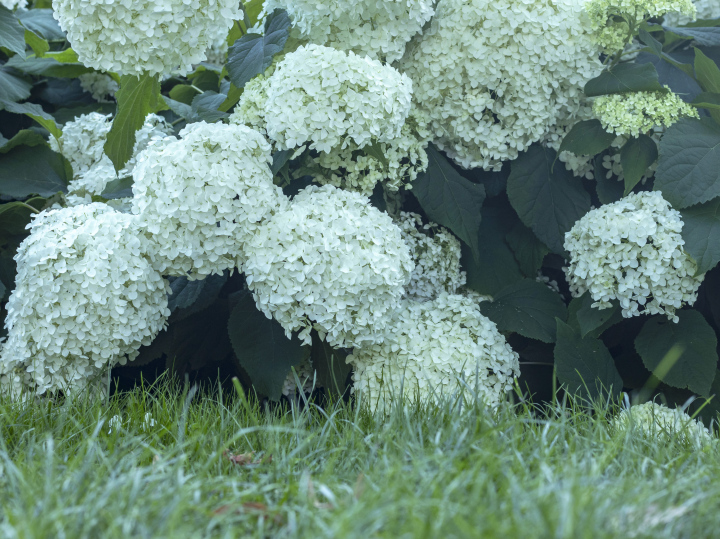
(332, 262)
(706, 9)
(133, 37)
(494, 75)
(632, 251)
(102, 87)
(366, 27)
(433, 349)
(86, 298)
(639, 112)
(201, 198)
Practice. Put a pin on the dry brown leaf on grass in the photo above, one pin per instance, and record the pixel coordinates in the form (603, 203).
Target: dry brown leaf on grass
(245, 459)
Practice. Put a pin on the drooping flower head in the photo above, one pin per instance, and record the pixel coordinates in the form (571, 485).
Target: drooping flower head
(201, 198)
(632, 251)
(435, 349)
(85, 298)
(332, 262)
(133, 37)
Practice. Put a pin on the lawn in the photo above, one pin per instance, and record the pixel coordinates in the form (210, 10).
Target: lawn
(186, 463)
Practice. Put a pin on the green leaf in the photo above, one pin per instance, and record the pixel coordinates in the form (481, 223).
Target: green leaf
(636, 156)
(184, 93)
(587, 138)
(449, 199)
(34, 111)
(655, 47)
(528, 250)
(708, 77)
(696, 342)
(252, 54)
(608, 189)
(12, 34)
(38, 44)
(118, 188)
(584, 365)
(233, 96)
(13, 88)
(136, 98)
(707, 100)
(590, 320)
(205, 106)
(29, 170)
(181, 109)
(688, 170)
(27, 137)
(548, 201)
(47, 66)
(625, 78)
(14, 218)
(42, 23)
(279, 159)
(261, 347)
(701, 232)
(528, 308)
(330, 367)
(190, 297)
(707, 37)
(375, 150)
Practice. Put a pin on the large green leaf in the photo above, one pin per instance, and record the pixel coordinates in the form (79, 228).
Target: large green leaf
(688, 170)
(47, 66)
(27, 137)
(707, 74)
(701, 232)
(449, 199)
(252, 54)
(29, 170)
(12, 87)
(41, 22)
(136, 98)
(528, 250)
(587, 138)
(624, 78)
(14, 218)
(190, 297)
(636, 156)
(695, 368)
(528, 308)
(705, 36)
(549, 201)
(261, 347)
(330, 366)
(12, 34)
(590, 320)
(36, 112)
(584, 365)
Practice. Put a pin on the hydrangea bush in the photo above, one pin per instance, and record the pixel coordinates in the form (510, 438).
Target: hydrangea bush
(395, 200)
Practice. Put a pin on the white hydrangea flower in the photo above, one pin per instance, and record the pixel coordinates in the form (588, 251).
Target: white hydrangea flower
(201, 198)
(330, 98)
(306, 376)
(705, 9)
(493, 75)
(662, 425)
(133, 37)
(250, 109)
(115, 422)
(82, 141)
(12, 5)
(86, 298)
(640, 112)
(613, 34)
(434, 349)
(216, 52)
(366, 27)
(436, 254)
(330, 261)
(632, 251)
(102, 87)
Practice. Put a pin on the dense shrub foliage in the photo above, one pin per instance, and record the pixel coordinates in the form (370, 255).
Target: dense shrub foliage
(398, 197)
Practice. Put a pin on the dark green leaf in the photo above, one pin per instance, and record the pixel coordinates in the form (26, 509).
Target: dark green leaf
(37, 44)
(47, 66)
(252, 54)
(12, 34)
(449, 199)
(42, 22)
(636, 156)
(591, 320)
(34, 111)
(13, 88)
(29, 170)
(119, 188)
(656, 48)
(528, 308)
(708, 37)
(701, 232)
(608, 189)
(14, 218)
(708, 77)
(624, 78)
(696, 342)
(279, 159)
(688, 170)
(375, 150)
(190, 297)
(330, 366)
(26, 137)
(528, 250)
(137, 97)
(587, 138)
(181, 109)
(707, 100)
(184, 93)
(205, 106)
(261, 347)
(547, 202)
(584, 365)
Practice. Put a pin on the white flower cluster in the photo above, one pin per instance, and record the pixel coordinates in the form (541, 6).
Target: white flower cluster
(632, 251)
(102, 87)
(13, 4)
(329, 261)
(366, 27)
(659, 424)
(433, 349)
(305, 374)
(201, 198)
(138, 36)
(250, 110)
(436, 254)
(86, 298)
(494, 75)
(328, 99)
(82, 141)
(706, 9)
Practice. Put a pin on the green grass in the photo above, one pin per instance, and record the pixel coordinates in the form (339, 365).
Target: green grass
(433, 472)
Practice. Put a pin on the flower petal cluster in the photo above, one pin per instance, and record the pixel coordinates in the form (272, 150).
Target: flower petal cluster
(659, 424)
(433, 349)
(494, 75)
(137, 36)
(201, 198)
(13, 4)
(86, 298)
(328, 99)
(706, 9)
(639, 112)
(102, 87)
(332, 262)
(612, 35)
(367, 27)
(632, 251)
(436, 254)
(82, 141)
